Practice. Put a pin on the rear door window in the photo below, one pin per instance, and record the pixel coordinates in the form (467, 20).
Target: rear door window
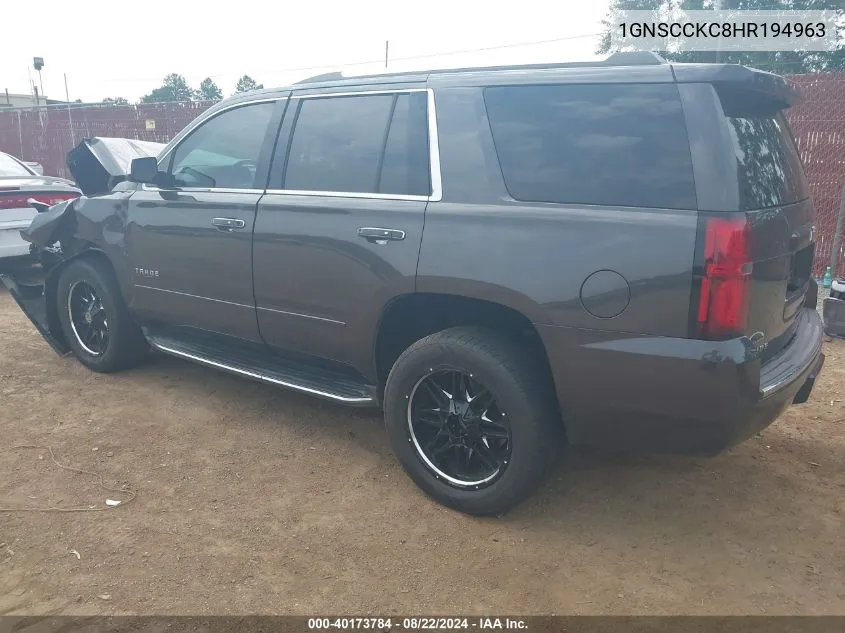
(768, 164)
(405, 168)
(360, 144)
(610, 145)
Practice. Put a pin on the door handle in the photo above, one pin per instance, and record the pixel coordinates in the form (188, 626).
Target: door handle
(228, 224)
(381, 236)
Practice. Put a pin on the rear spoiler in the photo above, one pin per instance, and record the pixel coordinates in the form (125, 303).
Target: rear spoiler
(768, 85)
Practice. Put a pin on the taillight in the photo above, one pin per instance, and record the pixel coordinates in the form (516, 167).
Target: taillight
(725, 286)
(18, 200)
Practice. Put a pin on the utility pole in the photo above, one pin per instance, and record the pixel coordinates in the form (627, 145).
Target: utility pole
(837, 235)
(20, 131)
(32, 87)
(386, 43)
(69, 120)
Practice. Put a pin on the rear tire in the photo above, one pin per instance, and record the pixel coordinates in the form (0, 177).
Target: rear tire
(95, 320)
(481, 464)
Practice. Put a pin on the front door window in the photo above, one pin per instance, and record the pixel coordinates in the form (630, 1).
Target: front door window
(223, 152)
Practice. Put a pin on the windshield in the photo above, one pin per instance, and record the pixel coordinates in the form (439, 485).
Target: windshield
(10, 167)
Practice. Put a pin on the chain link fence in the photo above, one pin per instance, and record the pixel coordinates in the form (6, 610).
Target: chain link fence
(818, 122)
(46, 135)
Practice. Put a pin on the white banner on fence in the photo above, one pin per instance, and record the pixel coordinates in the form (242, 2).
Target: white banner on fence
(677, 31)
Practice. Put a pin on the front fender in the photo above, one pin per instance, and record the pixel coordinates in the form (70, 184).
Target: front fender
(37, 299)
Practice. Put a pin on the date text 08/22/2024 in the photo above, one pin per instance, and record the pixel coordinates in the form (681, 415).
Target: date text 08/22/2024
(416, 623)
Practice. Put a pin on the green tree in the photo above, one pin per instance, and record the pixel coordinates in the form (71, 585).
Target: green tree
(116, 101)
(174, 88)
(781, 62)
(209, 91)
(247, 83)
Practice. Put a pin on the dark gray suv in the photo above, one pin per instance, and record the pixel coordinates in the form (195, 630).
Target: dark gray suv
(503, 259)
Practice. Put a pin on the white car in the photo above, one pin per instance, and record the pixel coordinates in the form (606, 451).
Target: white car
(19, 183)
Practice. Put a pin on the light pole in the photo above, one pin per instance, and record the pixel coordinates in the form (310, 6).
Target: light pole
(38, 64)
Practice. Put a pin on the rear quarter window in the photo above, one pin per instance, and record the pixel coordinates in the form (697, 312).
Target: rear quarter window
(769, 167)
(610, 145)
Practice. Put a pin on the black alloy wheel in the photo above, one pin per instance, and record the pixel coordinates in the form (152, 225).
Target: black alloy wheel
(458, 429)
(88, 318)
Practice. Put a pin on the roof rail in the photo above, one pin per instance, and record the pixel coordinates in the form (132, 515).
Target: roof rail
(633, 58)
(621, 58)
(324, 77)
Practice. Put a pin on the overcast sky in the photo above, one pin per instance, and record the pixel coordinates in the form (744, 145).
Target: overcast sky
(124, 49)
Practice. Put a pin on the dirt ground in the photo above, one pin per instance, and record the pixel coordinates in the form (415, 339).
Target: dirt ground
(254, 500)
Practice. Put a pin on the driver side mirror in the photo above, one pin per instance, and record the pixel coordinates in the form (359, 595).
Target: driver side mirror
(144, 169)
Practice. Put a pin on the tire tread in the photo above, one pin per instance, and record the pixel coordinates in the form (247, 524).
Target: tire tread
(131, 346)
(530, 379)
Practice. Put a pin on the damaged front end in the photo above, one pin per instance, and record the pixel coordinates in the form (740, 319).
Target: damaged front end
(98, 164)
(70, 228)
(32, 299)
(29, 287)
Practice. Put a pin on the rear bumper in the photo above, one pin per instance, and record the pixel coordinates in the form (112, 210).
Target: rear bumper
(11, 242)
(662, 394)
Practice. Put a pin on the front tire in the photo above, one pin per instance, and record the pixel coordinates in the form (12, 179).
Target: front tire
(472, 419)
(95, 320)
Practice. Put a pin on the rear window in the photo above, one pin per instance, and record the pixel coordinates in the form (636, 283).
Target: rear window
(10, 167)
(611, 145)
(768, 164)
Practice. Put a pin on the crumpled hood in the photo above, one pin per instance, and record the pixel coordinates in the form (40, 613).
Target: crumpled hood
(42, 230)
(98, 164)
